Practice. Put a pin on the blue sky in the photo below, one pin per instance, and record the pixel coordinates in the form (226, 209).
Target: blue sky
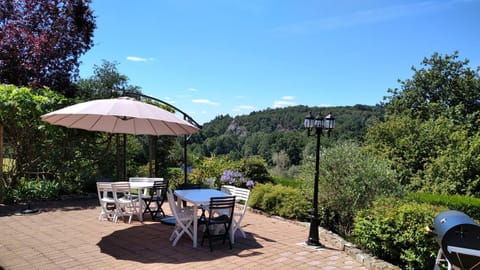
(218, 57)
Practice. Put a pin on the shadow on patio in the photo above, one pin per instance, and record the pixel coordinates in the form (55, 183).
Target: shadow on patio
(69, 204)
(148, 243)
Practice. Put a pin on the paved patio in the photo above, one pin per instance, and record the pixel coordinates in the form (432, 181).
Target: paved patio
(67, 235)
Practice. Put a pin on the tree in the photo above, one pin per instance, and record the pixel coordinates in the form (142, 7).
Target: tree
(445, 86)
(25, 138)
(350, 179)
(427, 122)
(41, 42)
(105, 82)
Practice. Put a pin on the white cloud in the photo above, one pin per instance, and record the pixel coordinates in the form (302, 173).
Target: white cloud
(288, 97)
(138, 59)
(283, 103)
(192, 89)
(204, 101)
(239, 108)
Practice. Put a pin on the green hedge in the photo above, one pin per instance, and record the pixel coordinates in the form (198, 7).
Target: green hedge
(396, 231)
(280, 200)
(465, 204)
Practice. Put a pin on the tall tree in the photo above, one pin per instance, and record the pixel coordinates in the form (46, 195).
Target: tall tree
(25, 138)
(432, 116)
(41, 42)
(106, 82)
(444, 86)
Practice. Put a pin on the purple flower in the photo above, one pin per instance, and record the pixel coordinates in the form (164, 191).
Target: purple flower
(232, 177)
(250, 183)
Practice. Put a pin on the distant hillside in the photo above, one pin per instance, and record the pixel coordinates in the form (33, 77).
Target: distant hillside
(350, 120)
(273, 130)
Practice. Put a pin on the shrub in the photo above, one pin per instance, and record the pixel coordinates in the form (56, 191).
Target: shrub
(255, 169)
(395, 231)
(32, 190)
(174, 176)
(288, 182)
(211, 170)
(349, 180)
(280, 200)
(468, 205)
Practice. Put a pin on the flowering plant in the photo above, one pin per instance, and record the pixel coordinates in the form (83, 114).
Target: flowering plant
(235, 178)
(232, 177)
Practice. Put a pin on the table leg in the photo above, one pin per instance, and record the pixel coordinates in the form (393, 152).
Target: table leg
(140, 204)
(195, 225)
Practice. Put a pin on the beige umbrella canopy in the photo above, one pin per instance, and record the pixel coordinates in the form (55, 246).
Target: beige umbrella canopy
(120, 115)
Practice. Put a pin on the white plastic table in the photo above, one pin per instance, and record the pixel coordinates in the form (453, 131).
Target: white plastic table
(197, 197)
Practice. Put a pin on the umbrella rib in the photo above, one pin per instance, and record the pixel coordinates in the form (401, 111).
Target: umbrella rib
(156, 131)
(180, 126)
(114, 125)
(79, 119)
(134, 127)
(94, 123)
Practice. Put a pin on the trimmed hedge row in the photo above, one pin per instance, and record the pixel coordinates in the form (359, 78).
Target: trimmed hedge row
(396, 231)
(465, 204)
(280, 200)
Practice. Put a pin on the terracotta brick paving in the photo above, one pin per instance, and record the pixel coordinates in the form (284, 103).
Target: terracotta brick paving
(68, 235)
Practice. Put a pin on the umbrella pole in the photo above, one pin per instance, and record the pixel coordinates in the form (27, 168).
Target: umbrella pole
(119, 164)
(151, 155)
(125, 157)
(121, 157)
(185, 158)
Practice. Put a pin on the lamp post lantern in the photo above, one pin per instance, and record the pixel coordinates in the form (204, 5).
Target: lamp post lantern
(318, 124)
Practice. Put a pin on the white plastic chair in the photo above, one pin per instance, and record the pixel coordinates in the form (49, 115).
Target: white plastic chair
(107, 203)
(183, 219)
(229, 189)
(241, 195)
(126, 204)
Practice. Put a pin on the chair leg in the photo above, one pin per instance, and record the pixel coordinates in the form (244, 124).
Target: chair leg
(227, 235)
(206, 234)
(154, 214)
(160, 210)
(209, 239)
(178, 234)
(242, 232)
(232, 235)
(147, 208)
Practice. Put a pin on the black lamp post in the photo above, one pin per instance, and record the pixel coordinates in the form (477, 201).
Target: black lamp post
(318, 124)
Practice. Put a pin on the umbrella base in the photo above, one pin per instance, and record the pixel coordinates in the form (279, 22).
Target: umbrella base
(29, 211)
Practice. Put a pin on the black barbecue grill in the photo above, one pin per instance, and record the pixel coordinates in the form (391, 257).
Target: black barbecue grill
(459, 238)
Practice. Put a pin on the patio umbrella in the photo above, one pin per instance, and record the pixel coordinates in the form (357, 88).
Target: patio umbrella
(120, 115)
